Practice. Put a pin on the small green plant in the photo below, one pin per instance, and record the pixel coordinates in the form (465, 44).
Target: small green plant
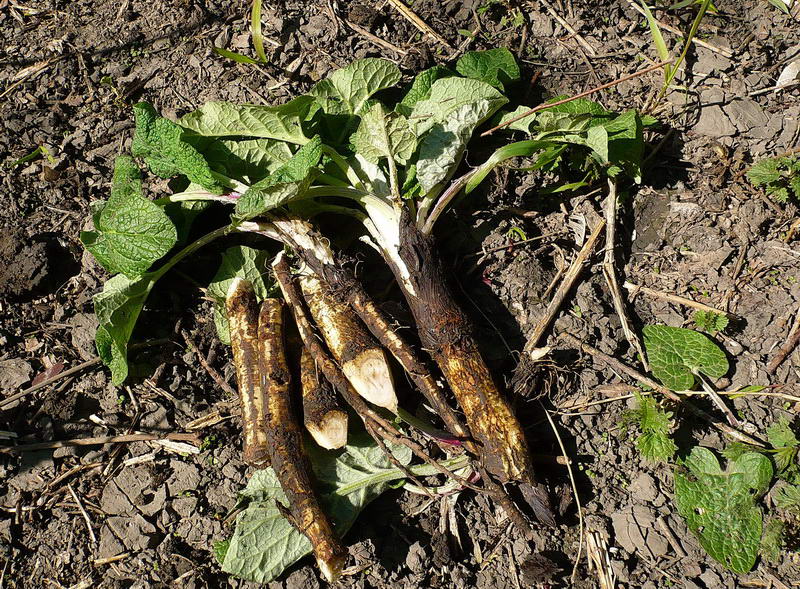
(654, 441)
(780, 176)
(710, 322)
(720, 507)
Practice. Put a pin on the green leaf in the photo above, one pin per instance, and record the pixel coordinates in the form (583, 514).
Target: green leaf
(243, 262)
(288, 182)
(183, 213)
(421, 88)
(442, 147)
(496, 67)
(449, 95)
(224, 119)
(788, 497)
(117, 308)
(676, 355)
(237, 57)
(384, 134)
(162, 145)
(597, 141)
(780, 435)
(764, 172)
(131, 232)
(709, 321)
(654, 442)
(346, 90)
(772, 541)
(719, 506)
(523, 124)
(579, 106)
(246, 159)
(658, 38)
(264, 544)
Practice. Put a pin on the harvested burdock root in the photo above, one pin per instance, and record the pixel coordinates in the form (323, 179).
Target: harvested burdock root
(361, 358)
(285, 436)
(242, 309)
(323, 417)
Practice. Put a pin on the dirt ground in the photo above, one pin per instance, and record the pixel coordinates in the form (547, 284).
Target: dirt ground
(695, 228)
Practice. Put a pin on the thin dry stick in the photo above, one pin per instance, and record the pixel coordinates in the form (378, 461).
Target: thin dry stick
(574, 490)
(636, 289)
(178, 437)
(567, 284)
(671, 395)
(788, 346)
(570, 29)
(419, 23)
(376, 40)
(74, 370)
(610, 272)
(545, 105)
(721, 50)
(83, 513)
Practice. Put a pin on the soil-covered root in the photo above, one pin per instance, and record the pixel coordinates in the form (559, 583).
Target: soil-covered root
(242, 309)
(361, 358)
(323, 417)
(445, 331)
(286, 452)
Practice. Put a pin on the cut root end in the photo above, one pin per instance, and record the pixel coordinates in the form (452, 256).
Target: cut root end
(371, 377)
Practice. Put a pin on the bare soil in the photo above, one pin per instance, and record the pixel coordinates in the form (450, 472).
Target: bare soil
(694, 228)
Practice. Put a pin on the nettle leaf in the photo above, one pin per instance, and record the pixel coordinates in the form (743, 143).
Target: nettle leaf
(780, 435)
(496, 67)
(654, 442)
(243, 262)
(288, 182)
(117, 308)
(131, 232)
(421, 88)
(384, 134)
(442, 147)
(788, 497)
(765, 172)
(264, 544)
(447, 96)
(709, 321)
(346, 90)
(720, 506)
(224, 119)
(676, 355)
(162, 145)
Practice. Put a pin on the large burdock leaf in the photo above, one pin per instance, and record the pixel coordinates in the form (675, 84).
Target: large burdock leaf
(347, 90)
(384, 134)
(677, 355)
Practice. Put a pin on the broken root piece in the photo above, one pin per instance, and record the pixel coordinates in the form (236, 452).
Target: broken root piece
(290, 464)
(242, 308)
(323, 417)
(361, 358)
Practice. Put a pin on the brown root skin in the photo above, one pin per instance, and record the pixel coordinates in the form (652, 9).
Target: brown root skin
(242, 310)
(288, 460)
(348, 290)
(323, 417)
(445, 331)
(362, 359)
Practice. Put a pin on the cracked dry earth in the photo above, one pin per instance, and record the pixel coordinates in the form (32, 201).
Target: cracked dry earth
(694, 228)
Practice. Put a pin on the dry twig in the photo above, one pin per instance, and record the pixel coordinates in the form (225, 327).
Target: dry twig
(678, 300)
(419, 23)
(788, 345)
(99, 441)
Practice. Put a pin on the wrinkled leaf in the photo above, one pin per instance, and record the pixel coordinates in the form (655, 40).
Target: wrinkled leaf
(449, 95)
(117, 308)
(442, 148)
(264, 543)
(347, 89)
(243, 262)
(496, 67)
(384, 134)
(224, 119)
(246, 159)
(421, 88)
(676, 355)
(162, 145)
(719, 506)
(289, 181)
(131, 232)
